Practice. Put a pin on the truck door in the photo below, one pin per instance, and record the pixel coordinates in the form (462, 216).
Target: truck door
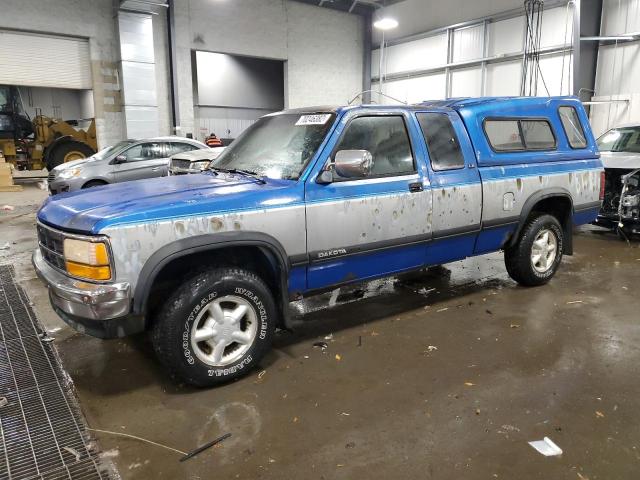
(144, 160)
(457, 191)
(359, 228)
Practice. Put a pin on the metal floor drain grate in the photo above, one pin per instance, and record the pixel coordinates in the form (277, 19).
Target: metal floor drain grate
(42, 432)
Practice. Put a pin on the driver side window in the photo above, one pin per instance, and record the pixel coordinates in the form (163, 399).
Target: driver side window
(386, 138)
(144, 151)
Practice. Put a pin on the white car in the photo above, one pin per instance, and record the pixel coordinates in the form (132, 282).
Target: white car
(620, 153)
(194, 161)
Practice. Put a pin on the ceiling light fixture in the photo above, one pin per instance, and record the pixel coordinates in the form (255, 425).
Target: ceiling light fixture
(386, 23)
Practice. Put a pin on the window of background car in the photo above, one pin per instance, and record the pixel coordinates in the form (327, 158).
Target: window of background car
(277, 146)
(144, 151)
(179, 147)
(537, 135)
(442, 141)
(386, 138)
(572, 127)
(504, 135)
(112, 150)
(620, 140)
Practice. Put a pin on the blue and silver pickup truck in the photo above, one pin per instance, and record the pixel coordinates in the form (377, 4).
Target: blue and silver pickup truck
(306, 200)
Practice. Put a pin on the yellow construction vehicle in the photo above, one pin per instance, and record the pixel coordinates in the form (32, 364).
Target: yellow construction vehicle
(44, 141)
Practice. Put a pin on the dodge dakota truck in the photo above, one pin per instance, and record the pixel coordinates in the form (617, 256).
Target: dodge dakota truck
(310, 199)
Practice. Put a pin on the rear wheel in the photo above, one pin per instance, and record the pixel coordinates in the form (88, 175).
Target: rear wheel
(536, 257)
(67, 152)
(216, 327)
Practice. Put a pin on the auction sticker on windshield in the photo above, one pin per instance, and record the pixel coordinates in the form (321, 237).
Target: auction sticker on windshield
(320, 119)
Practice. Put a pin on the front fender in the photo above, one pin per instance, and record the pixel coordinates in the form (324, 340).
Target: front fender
(202, 243)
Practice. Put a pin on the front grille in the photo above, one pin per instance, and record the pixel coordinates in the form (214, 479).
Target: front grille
(51, 246)
(42, 432)
(51, 177)
(179, 163)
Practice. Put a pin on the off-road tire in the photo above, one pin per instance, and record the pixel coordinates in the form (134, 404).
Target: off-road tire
(57, 156)
(518, 258)
(94, 183)
(171, 331)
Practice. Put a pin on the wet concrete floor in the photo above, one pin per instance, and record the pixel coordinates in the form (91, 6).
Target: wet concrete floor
(447, 374)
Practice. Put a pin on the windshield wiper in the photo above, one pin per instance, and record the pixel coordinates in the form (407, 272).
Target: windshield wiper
(240, 171)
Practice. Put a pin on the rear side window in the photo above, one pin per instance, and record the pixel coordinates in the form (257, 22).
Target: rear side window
(504, 135)
(507, 135)
(537, 135)
(179, 147)
(572, 127)
(444, 148)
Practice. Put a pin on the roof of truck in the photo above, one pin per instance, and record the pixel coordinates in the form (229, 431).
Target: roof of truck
(463, 102)
(451, 103)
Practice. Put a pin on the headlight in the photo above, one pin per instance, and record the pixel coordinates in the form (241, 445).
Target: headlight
(70, 173)
(200, 165)
(88, 260)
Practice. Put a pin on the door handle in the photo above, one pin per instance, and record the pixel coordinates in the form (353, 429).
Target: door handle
(415, 187)
(155, 169)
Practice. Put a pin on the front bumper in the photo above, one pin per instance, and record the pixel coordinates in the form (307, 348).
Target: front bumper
(100, 310)
(61, 186)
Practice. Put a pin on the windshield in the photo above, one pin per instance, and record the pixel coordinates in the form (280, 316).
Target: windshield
(620, 140)
(113, 149)
(277, 146)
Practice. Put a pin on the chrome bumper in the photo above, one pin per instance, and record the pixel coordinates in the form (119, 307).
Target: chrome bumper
(83, 300)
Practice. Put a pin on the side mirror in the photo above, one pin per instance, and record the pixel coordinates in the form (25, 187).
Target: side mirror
(120, 159)
(353, 163)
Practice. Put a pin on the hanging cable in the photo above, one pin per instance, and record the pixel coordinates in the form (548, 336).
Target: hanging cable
(531, 60)
(564, 46)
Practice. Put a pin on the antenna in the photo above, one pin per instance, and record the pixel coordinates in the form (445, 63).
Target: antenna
(379, 93)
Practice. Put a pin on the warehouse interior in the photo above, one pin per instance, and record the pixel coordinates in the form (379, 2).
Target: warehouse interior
(435, 363)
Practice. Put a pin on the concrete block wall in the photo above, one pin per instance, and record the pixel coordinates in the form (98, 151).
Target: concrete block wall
(322, 48)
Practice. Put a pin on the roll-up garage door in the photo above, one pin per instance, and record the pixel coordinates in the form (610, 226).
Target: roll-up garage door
(44, 61)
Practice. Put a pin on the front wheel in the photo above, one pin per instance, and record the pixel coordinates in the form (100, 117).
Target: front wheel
(536, 257)
(216, 327)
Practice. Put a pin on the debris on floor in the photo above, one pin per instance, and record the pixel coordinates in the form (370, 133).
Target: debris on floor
(204, 447)
(3, 402)
(8, 208)
(6, 246)
(322, 345)
(546, 447)
(509, 428)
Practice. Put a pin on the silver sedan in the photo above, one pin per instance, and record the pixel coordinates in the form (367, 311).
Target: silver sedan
(122, 162)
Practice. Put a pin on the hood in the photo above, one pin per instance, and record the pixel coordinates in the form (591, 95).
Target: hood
(203, 154)
(91, 211)
(71, 164)
(625, 160)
